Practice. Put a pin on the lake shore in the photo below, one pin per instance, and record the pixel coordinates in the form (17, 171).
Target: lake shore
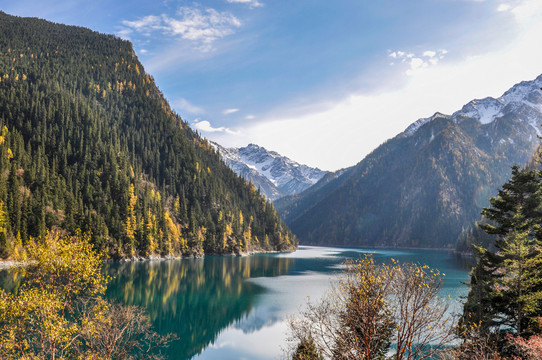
(8, 264)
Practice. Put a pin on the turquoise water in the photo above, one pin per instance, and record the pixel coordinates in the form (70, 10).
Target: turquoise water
(235, 307)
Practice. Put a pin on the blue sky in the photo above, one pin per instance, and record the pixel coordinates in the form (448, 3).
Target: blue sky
(323, 82)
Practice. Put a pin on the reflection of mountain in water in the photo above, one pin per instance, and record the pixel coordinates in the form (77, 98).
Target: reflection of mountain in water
(259, 318)
(195, 298)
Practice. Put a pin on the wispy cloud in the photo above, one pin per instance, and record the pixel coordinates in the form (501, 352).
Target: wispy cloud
(251, 3)
(185, 106)
(521, 9)
(202, 27)
(145, 24)
(206, 126)
(229, 111)
(124, 33)
(415, 62)
(250, 117)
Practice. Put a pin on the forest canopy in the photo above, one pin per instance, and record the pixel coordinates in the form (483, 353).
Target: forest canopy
(90, 143)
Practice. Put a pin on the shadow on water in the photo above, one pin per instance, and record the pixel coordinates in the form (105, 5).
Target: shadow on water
(200, 299)
(193, 298)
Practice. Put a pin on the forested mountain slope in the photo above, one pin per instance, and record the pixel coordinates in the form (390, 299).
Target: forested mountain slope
(424, 186)
(292, 206)
(90, 143)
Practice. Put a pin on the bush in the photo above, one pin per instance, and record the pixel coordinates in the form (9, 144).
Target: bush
(372, 306)
(60, 310)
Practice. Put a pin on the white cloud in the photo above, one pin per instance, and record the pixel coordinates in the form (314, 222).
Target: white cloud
(124, 33)
(251, 3)
(202, 27)
(504, 7)
(415, 62)
(206, 126)
(250, 117)
(527, 12)
(344, 132)
(429, 53)
(143, 51)
(229, 111)
(145, 24)
(184, 105)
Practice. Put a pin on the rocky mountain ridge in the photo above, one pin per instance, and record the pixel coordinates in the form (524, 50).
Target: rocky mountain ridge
(274, 174)
(423, 186)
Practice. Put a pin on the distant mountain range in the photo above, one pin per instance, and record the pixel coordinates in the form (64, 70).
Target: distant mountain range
(275, 175)
(425, 185)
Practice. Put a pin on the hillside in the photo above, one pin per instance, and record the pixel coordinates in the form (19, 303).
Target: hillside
(292, 206)
(275, 175)
(424, 186)
(90, 143)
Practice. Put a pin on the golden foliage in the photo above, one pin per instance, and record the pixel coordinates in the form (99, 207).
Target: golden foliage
(60, 311)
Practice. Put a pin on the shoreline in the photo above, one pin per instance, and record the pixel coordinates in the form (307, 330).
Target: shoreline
(379, 247)
(10, 264)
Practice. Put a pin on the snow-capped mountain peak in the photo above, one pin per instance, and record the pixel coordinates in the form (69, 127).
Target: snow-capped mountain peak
(523, 99)
(412, 128)
(483, 110)
(274, 174)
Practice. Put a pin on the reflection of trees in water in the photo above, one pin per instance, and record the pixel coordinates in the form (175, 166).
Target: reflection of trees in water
(193, 298)
(10, 280)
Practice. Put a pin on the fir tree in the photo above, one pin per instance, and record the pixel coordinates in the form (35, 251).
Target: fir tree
(506, 283)
(92, 144)
(306, 350)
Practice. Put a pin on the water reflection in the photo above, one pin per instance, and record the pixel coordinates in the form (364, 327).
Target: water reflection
(234, 307)
(194, 298)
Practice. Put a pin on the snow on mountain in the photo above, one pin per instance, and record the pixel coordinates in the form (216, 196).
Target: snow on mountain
(524, 100)
(422, 187)
(484, 110)
(275, 175)
(412, 128)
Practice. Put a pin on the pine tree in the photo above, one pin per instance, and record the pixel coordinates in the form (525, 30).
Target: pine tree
(506, 283)
(306, 350)
(520, 285)
(92, 144)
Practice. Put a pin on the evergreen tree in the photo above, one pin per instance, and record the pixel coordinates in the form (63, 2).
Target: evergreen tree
(506, 283)
(306, 350)
(89, 142)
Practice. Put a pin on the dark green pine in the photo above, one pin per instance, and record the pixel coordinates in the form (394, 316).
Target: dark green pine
(84, 122)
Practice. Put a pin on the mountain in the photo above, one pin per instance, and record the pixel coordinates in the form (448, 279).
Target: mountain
(275, 175)
(291, 206)
(89, 143)
(425, 185)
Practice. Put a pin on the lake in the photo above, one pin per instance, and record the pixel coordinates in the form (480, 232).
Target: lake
(235, 307)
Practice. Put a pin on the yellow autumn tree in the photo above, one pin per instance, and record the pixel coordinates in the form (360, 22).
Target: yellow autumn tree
(60, 311)
(4, 248)
(372, 305)
(151, 233)
(131, 221)
(174, 239)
